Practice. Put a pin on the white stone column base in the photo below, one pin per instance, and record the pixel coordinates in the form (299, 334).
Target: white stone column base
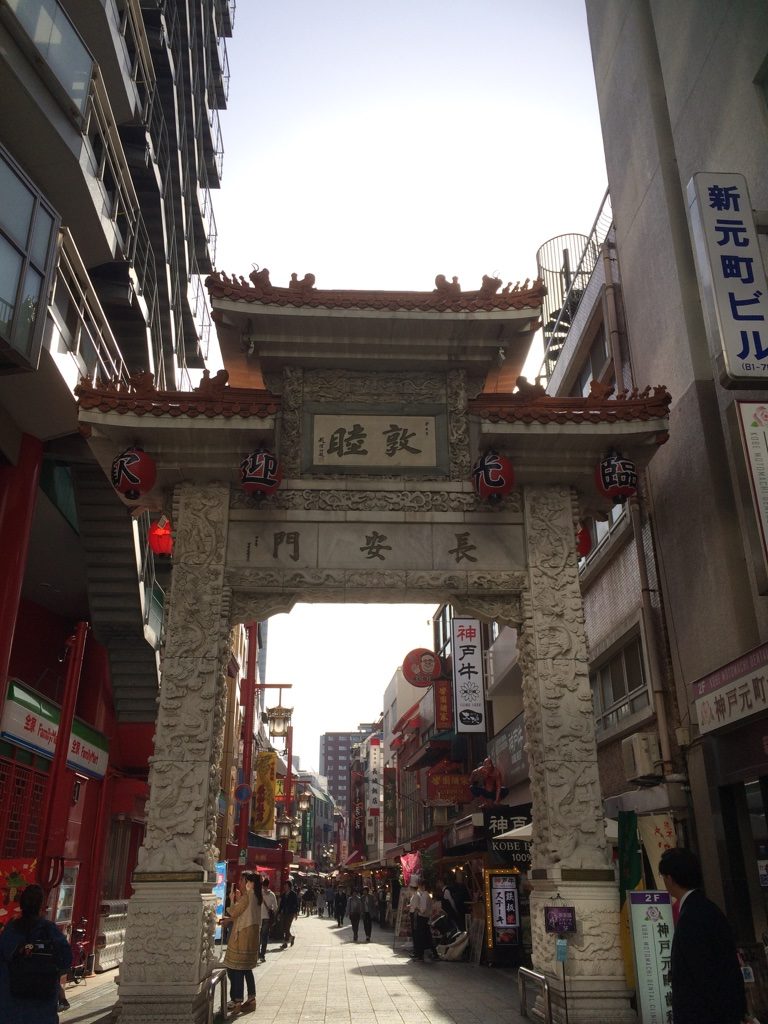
(595, 982)
(169, 950)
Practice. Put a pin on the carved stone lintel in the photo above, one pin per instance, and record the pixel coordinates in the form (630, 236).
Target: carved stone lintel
(345, 500)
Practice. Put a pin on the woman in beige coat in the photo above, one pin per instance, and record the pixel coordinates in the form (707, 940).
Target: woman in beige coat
(243, 947)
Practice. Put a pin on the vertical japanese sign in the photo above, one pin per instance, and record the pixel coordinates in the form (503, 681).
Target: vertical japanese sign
(652, 928)
(502, 909)
(468, 688)
(731, 272)
(441, 689)
(264, 791)
(390, 805)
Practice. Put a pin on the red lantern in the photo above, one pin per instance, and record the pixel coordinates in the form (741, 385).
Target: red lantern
(260, 473)
(583, 541)
(493, 476)
(133, 473)
(160, 537)
(616, 477)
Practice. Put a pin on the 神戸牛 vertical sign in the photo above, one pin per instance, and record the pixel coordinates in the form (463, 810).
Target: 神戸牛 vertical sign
(652, 928)
(731, 272)
(468, 686)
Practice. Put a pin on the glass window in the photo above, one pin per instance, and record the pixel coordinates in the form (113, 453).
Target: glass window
(619, 687)
(27, 228)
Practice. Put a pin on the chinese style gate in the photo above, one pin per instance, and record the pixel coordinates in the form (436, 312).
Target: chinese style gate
(377, 404)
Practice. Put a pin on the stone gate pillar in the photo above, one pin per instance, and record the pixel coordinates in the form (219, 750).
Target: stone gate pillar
(171, 918)
(569, 852)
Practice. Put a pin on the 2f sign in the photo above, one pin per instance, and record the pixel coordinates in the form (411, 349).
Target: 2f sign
(731, 274)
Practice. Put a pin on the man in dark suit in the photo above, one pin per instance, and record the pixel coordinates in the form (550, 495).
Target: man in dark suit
(707, 985)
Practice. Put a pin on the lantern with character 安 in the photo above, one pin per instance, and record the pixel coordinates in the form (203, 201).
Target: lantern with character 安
(616, 478)
(133, 473)
(260, 473)
(492, 476)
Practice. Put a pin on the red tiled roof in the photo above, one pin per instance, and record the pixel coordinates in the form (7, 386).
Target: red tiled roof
(446, 296)
(213, 397)
(531, 404)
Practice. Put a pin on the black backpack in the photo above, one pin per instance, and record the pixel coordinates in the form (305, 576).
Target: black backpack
(33, 971)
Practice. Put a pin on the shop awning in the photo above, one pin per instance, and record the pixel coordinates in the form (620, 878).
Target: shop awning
(525, 832)
(354, 858)
(401, 723)
(432, 752)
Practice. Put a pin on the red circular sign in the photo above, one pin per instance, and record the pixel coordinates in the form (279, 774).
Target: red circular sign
(421, 667)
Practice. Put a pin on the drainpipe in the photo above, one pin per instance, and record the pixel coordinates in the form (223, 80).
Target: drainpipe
(651, 634)
(611, 318)
(249, 695)
(54, 834)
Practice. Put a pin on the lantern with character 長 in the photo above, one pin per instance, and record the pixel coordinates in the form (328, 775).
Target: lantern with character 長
(492, 476)
(260, 473)
(616, 477)
(133, 473)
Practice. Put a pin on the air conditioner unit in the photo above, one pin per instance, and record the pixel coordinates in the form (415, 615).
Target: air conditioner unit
(642, 758)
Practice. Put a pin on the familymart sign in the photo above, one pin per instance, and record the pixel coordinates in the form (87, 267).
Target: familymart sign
(32, 722)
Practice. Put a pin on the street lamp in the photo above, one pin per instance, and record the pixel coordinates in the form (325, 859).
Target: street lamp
(279, 726)
(279, 721)
(305, 801)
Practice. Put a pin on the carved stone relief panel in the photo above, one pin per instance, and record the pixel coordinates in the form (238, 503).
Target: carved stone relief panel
(568, 811)
(184, 786)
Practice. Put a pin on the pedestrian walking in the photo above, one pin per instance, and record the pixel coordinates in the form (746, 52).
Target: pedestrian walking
(329, 894)
(268, 916)
(422, 939)
(339, 906)
(707, 984)
(382, 898)
(34, 953)
(288, 909)
(369, 909)
(243, 947)
(354, 912)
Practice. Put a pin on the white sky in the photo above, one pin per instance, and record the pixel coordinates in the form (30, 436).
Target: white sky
(376, 145)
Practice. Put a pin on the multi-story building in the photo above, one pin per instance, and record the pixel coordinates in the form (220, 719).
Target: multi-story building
(109, 148)
(674, 586)
(335, 757)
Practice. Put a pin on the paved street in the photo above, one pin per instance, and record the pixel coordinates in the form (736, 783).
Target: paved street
(325, 977)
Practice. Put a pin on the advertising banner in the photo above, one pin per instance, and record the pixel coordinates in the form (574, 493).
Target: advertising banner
(390, 805)
(32, 722)
(734, 692)
(652, 929)
(15, 875)
(265, 786)
(220, 892)
(502, 907)
(447, 784)
(468, 685)
(443, 694)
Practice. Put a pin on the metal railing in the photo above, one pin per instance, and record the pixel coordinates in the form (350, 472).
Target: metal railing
(555, 334)
(217, 980)
(525, 974)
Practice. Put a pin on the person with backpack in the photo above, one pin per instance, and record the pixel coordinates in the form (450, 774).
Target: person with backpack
(34, 953)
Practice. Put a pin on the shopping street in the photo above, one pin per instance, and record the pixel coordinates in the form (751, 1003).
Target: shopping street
(325, 977)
